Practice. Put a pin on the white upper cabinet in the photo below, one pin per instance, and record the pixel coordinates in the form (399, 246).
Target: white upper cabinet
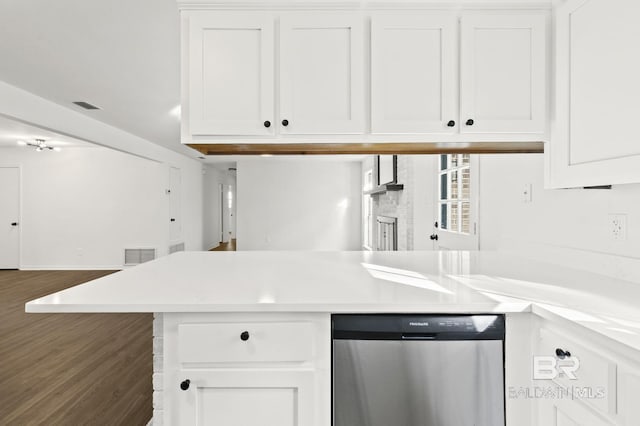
(363, 76)
(503, 69)
(597, 92)
(321, 73)
(413, 73)
(231, 62)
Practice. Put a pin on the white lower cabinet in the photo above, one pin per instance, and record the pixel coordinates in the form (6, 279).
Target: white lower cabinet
(247, 369)
(247, 397)
(590, 380)
(567, 413)
(274, 369)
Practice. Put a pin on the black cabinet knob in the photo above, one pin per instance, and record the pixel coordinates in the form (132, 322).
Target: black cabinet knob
(173, 219)
(267, 124)
(244, 336)
(285, 122)
(14, 223)
(433, 237)
(469, 122)
(562, 354)
(451, 123)
(185, 384)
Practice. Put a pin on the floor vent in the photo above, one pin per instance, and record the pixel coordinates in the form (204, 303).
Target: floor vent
(176, 247)
(137, 256)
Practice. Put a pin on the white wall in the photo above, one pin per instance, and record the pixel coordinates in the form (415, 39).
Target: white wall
(301, 204)
(82, 206)
(568, 225)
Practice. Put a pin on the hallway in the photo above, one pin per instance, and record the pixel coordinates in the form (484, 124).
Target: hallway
(230, 246)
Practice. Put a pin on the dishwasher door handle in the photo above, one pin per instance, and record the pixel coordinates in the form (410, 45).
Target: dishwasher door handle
(418, 336)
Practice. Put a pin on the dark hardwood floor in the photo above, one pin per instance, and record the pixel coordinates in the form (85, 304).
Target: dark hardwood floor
(230, 246)
(70, 369)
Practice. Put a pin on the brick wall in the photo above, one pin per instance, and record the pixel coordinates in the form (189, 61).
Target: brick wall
(158, 343)
(399, 204)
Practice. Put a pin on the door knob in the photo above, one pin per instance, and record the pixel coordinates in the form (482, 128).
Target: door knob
(267, 123)
(14, 223)
(469, 122)
(433, 237)
(244, 336)
(185, 385)
(451, 123)
(285, 122)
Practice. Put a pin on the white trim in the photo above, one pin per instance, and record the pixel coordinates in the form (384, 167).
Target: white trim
(19, 105)
(364, 4)
(72, 267)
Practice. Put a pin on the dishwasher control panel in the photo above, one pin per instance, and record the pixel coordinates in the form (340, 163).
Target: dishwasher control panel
(418, 327)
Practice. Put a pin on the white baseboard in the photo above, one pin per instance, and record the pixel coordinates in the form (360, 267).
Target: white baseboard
(70, 267)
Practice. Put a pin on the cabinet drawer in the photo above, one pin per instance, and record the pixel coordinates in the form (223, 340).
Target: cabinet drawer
(246, 342)
(595, 377)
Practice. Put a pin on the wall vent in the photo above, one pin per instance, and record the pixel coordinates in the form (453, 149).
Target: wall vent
(138, 255)
(85, 105)
(176, 247)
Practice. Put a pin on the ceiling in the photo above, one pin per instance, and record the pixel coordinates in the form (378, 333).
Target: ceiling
(120, 55)
(12, 131)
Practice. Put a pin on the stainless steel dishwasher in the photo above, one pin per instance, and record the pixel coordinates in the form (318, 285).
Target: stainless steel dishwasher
(418, 370)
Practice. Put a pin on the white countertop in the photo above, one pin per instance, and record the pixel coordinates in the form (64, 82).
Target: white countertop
(337, 282)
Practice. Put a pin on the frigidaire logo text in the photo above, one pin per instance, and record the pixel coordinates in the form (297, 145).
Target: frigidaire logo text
(419, 324)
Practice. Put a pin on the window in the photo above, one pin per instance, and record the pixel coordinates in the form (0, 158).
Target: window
(454, 202)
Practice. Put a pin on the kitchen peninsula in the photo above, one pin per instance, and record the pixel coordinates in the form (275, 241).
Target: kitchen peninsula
(255, 327)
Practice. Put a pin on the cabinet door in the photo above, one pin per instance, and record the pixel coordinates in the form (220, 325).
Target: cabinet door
(321, 73)
(231, 86)
(597, 92)
(565, 412)
(503, 68)
(247, 398)
(413, 73)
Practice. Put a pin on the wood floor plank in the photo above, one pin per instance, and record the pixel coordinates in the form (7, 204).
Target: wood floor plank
(70, 369)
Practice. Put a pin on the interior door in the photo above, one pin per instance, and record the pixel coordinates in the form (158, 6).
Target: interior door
(321, 73)
(457, 196)
(414, 73)
(231, 74)
(175, 221)
(503, 68)
(221, 212)
(10, 218)
(231, 195)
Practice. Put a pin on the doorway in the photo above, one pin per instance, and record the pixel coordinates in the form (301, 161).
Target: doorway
(457, 194)
(10, 218)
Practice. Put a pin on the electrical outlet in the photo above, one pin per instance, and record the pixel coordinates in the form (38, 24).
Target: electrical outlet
(617, 224)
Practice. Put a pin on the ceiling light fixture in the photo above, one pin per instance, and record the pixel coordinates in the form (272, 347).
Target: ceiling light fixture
(40, 145)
